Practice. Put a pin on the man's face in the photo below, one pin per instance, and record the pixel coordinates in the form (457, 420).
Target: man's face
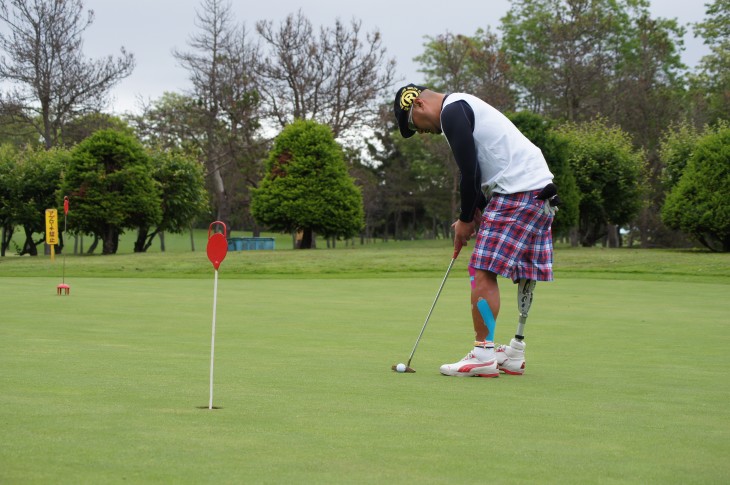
(419, 119)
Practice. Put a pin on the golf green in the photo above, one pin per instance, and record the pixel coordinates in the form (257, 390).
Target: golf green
(626, 382)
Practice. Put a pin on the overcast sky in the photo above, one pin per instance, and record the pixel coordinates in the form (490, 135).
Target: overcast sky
(151, 29)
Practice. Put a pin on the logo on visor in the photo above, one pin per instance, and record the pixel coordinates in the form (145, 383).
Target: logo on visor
(407, 97)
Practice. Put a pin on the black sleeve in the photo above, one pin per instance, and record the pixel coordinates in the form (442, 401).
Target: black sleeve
(457, 123)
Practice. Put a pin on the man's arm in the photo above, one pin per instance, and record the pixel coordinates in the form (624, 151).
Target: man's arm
(457, 123)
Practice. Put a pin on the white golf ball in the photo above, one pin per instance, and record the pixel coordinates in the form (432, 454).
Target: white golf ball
(400, 367)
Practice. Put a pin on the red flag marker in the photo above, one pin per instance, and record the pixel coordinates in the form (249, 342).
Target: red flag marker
(217, 249)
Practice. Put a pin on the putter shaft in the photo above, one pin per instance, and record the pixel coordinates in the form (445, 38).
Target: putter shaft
(451, 264)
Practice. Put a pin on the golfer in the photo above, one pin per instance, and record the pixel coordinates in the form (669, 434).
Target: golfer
(507, 200)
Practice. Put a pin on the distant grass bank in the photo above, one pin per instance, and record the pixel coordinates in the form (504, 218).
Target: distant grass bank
(376, 259)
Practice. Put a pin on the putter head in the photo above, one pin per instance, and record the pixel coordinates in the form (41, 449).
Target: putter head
(408, 369)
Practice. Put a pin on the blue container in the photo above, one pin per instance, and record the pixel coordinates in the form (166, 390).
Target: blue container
(235, 244)
(261, 243)
(250, 243)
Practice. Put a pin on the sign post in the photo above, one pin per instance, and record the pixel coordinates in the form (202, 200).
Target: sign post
(52, 230)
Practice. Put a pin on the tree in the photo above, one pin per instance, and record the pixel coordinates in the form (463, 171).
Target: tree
(221, 66)
(82, 127)
(418, 182)
(8, 194)
(557, 49)
(711, 84)
(333, 79)
(307, 186)
(666, 168)
(575, 59)
(415, 190)
(608, 172)
(400, 188)
(39, 173)
(437, 177)
(52, 79)
(697, 205)
(110, 185)
(677, 146)
(29, 181)
(475, 65)
(578, 59)
(171, 122)
(645, 96)
(366, 179)
(647, 87)
(183, 195)
(16, 133)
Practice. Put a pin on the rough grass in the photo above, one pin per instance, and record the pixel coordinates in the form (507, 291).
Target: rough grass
(379, 259)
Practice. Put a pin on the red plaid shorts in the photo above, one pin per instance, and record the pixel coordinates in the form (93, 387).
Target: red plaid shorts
(514, 239)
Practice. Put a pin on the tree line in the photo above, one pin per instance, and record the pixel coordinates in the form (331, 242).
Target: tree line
(598, 85)
(113, 184)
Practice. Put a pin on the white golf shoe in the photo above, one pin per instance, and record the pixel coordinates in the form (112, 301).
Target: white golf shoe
(471, 366)
(511, 358)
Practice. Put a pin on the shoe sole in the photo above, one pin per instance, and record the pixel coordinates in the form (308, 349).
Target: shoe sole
(466, 374)
(512, 372)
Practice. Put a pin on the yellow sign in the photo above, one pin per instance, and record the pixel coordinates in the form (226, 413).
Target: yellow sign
(51, 227)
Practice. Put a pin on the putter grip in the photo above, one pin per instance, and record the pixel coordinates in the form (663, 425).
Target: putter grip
(457, 249)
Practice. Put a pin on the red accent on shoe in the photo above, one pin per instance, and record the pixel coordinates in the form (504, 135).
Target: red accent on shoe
(469, 367)
(514, 372)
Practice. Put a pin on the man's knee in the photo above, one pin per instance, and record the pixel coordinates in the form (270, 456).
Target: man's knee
(484, 278)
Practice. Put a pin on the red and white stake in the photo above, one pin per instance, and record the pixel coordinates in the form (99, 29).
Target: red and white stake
(63, 288)
(65, 219)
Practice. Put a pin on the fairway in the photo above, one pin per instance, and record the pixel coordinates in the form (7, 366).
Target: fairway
(626, 382)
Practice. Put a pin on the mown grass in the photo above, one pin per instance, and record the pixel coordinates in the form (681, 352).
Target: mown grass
(626, 379)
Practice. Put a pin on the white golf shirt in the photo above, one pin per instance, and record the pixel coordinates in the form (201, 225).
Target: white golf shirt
(490, 151)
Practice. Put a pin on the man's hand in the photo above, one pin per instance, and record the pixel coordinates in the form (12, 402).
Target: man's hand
(463, 231)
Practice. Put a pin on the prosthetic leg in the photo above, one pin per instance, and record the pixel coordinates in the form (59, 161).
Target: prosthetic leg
(511, 358)
(524, 301)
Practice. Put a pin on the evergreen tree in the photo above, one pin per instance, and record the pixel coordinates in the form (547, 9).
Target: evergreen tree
(697, 205)
(307, 187)
(110, 185)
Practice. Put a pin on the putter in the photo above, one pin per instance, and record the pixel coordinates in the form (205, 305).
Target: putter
(457, 249)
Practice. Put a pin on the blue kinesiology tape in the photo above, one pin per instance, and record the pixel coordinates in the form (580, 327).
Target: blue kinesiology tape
(488, 317)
